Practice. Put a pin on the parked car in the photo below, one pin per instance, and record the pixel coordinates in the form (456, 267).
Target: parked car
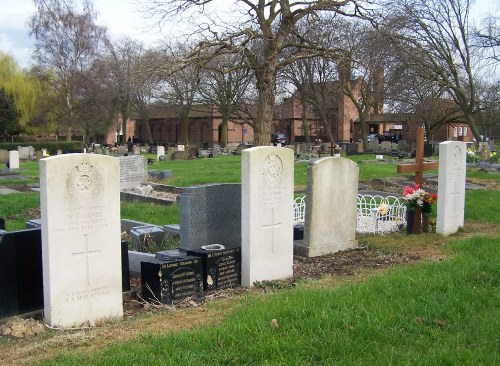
(278, 138)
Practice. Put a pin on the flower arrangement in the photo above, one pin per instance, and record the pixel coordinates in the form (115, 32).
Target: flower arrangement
(415, 197)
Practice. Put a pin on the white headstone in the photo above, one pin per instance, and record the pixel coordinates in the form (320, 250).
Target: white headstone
(160, 151)
(330, 218)
(379, 157)
(133, 171)
(181, 147)
(451, 187)
(266, 214)
(81, 245)
(14, 159)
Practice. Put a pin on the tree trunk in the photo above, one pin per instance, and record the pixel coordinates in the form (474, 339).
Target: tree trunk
(305, 125)
(223, 131)
(469, 118)
(147, 128)
(266, 86)
(185, 128)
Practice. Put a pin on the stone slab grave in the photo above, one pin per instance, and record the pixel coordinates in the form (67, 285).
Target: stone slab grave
(171, 277)
(267, 214)
(14, 159)
(21, 284)
(451, 187)
(330, 216)
(146, 237)
(221, 266)
(133, 171)
(210, 214)
(81, 245)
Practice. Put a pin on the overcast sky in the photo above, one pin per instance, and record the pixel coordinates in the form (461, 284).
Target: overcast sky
(121, 17)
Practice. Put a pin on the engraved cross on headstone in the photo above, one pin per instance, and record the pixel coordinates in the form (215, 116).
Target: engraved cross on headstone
(272, 227)
(418, 167)
(86, 253)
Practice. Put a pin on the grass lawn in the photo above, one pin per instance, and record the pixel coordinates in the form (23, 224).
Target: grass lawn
(441, 310)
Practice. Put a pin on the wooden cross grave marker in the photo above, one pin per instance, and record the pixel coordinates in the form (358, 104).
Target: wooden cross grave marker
(418, 168)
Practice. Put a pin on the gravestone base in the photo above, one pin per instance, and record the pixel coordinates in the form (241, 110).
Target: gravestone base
(169, 280)
(221, 268)
(302, 250)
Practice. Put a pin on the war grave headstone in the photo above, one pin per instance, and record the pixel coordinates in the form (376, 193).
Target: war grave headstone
(21, 285)
(81, 244)
(133, 171)
(210, 227)
(266, 214)
(330, 217)
(4, 156)
(172, 276)
(451, 187)
(14, 159)
(160, 151)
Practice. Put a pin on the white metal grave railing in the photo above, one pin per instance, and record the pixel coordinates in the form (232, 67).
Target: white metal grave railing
(375, 214)
(299, 210)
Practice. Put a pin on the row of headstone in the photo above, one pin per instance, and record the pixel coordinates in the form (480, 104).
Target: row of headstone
(81, 229)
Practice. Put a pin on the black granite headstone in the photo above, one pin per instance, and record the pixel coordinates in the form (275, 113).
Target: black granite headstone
(2, 223)
(221, 267)
(21, 282)
(125, 267)
(172, 278)
(428, 150)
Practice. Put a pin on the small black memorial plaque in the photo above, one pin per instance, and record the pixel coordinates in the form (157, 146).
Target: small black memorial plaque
(171, 277)
(221, 267)
(21, 281)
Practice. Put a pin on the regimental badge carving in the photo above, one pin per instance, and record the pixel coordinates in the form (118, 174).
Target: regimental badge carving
(456, 157)
(84, 181)
(273, 168)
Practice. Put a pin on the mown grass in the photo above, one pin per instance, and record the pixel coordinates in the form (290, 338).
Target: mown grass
(14, 207)
(435, 313)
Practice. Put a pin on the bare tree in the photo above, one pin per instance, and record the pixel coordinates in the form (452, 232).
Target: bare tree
(260, 33)
(123, 64)
(178, 82)
(487, 37)
(433, 37)
(225, 85)
(66, 42)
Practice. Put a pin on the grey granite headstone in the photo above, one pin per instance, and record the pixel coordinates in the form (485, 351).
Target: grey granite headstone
(210, 214)
(133, 171)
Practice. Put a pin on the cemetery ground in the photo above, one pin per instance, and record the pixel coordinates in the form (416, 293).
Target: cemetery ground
(399, 299)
